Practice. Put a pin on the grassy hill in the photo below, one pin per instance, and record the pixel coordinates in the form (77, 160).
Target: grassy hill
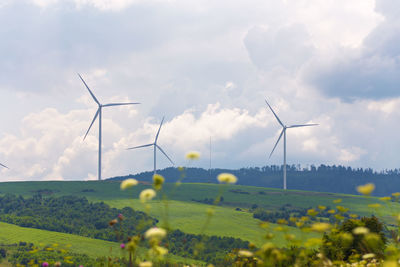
(230, 219)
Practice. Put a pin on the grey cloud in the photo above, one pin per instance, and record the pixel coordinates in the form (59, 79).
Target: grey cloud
(286, 47)
(370, 72)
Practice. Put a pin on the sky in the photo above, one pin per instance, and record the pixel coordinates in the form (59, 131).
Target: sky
(207, 66)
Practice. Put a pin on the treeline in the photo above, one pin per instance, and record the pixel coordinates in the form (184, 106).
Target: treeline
(212, 249)
(72, 215)
(288, 211)
(76, 215)
(323, 178)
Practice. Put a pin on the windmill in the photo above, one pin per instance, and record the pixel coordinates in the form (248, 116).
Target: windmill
(283, 132)
(155, 146)
(98, 114)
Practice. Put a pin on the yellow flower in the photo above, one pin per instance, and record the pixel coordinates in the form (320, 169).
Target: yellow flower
(155, 232)
(385, 198)
(337, 200)
(146, 264)
(245, 253)
(360, 230)
(320, 227)
(397, 194)
(147, 194)
(282, 221)
(366, 189)
(312, 212)
(390, 264)
(128, 183)
(342, 209)
(227, 178)
(193, 155)
(331, 211)
(159, 251)
(320, 207)
(158, 181)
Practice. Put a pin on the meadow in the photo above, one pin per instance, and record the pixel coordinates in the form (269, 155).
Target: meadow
(232, 217)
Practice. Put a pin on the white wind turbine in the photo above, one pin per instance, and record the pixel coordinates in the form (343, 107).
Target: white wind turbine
(155, 146)
(98, 113)
(283, 132)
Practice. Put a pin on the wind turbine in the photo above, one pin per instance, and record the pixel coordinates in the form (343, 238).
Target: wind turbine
(283, 132)
(155, 146)
(98, 114)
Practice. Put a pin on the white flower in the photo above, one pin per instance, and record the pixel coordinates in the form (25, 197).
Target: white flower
(227, 178)
(155, 232)
(147, 194)
(360, 230)
(245, 253)
(128, 183)
(146, 264)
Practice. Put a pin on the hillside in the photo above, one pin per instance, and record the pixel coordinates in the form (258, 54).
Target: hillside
(335, 179)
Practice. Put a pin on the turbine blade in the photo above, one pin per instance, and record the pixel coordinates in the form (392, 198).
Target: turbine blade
(165, 154)
(139, 146)
(276, 116)
(4, 166)
(119, 104)
(302, 125)
(158, 132)
(94, 98)
(95, 117)
(280, 136)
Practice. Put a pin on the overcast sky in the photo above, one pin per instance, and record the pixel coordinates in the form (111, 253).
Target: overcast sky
(207, 66)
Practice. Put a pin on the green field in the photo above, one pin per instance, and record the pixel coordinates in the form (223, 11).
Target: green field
(11, 234)
(189, 216)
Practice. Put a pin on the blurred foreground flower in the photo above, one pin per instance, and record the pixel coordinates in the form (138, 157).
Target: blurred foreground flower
(158, 181)
(360, 230)
(147, 194)
(45, 264)
(366, 189)
(227, 178)
(128, 183)
(193, 155)
(146, 264)
(245, 253)
(320, 227)
(155, 232)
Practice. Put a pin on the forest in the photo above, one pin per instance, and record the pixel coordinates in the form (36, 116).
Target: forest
(322, 178)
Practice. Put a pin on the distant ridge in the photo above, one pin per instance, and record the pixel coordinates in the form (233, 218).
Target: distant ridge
(324, 178)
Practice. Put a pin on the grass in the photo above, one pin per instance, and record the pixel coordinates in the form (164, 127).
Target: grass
(11, 234)
(189, 216)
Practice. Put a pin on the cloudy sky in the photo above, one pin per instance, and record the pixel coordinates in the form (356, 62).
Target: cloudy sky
(207, 66)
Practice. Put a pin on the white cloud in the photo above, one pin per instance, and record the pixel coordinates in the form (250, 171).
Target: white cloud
(179, 59)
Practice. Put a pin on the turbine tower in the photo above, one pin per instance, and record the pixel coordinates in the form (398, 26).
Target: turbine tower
(155, 146)
(283, 132)
(98, 114)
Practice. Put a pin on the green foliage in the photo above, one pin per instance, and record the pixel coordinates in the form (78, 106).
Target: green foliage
(73, 215)
(343, 243)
